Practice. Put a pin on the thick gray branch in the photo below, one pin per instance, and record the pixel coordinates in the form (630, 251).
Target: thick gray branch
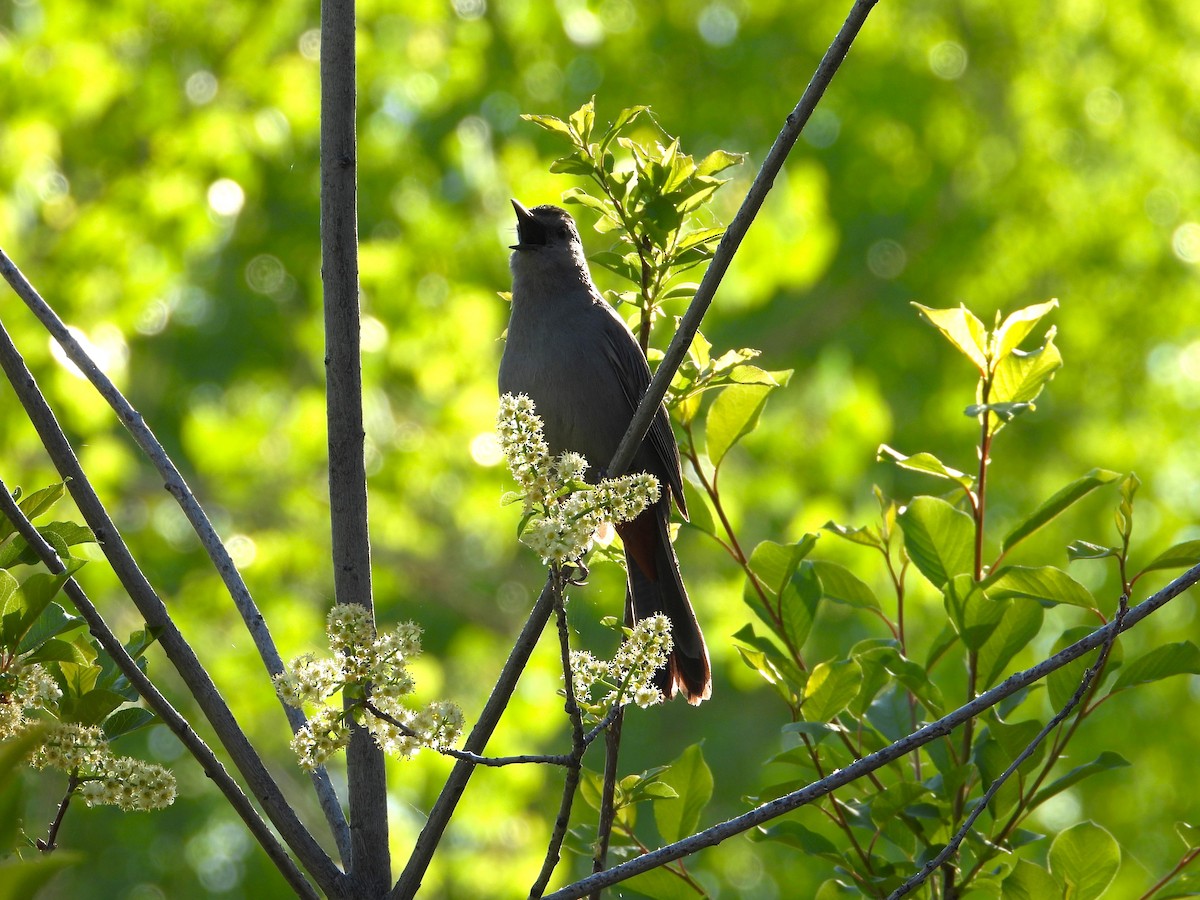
(370, 863)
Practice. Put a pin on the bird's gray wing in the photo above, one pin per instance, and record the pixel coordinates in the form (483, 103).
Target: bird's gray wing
(634, 375)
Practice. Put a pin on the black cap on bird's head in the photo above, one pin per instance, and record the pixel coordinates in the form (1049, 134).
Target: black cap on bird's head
(543, 226)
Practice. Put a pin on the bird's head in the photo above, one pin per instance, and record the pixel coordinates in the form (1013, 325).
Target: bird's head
(547, 240)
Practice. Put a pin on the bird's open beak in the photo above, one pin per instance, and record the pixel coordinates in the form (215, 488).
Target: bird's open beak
(530, 232)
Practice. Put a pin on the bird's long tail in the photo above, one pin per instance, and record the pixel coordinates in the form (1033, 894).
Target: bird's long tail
(655, 586)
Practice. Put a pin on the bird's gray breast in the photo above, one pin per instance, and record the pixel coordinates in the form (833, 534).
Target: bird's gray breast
(560, 358)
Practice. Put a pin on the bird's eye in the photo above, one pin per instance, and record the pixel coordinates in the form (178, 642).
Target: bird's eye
(563, 233)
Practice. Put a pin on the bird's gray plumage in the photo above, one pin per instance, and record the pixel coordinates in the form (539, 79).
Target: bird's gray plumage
(574, 356)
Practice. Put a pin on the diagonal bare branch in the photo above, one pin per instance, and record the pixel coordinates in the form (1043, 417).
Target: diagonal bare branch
(154, 612)
(171, 717)
(177, 487)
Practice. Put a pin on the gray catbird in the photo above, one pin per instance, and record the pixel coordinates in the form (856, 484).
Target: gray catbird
(571, 353)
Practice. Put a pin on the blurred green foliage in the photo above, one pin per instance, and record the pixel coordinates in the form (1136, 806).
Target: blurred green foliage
(158, 184)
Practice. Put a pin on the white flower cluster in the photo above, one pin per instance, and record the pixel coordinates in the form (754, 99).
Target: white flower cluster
(124, 781)
(562, 513)
(24, 688)
(629, 676)
(361, 657)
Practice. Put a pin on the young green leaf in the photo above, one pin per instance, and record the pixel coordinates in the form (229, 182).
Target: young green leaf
(841, 585)
(1020, 621)
(1085, 858)
(552, 124)
(1020, 376)
(1162, 662)
(732, 416)
(1179, 556)
(1057, 504)
(1017, 326)
(938, 538)
(974, 615)
(926, 463)
(692, 781)
(830, 689)
(1087, 550)
(1029, 881)
(1046, 584)
(1105, 762)
(963, 329)
(867, 536)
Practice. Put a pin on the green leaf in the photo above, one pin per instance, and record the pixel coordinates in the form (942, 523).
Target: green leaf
(1183, 555)
(1017, 326)
(552, 124)
(94, 706)
(973, 614)
(581, 121)
(692, 781)
(39, 502)
(624, 117)
(963, 329)
(718, 161)
(1046, 584)
(1020, 376)
(572, 165)
(1028, 881)
(1182, 658)
(1087, 550)
(1020, 621)
(830, 689)
(660, 884)
(23, 607)
(1057, 504)
(798, 604)
(796, 835)
(841, 585)
(1105, 762)
(776, 563)
(866, 536)
(1189, 834)
(52, 621)
(123, 721)
(1085, 858)
(701, 512)
(925, 463)
(938, 538)
(732, 416)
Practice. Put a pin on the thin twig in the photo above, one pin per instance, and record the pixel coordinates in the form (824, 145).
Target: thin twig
(559, 759)
(608, 795)
(177, 487)
(154, 612)
(50, 843)
(578, 747)
(170, 717)
(931, 732)
(955, 842)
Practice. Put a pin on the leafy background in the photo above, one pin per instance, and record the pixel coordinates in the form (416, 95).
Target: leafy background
(158, 183)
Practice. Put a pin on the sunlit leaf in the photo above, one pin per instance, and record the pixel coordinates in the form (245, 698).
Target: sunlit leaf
(1043, 583)
(830, 689)
(963, 329)
(692, 782)
(732, 416)
(925, 463)
(1085, 858)
(1061, 501)
(938, 538)
(1162, 662)
(1017, 326)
